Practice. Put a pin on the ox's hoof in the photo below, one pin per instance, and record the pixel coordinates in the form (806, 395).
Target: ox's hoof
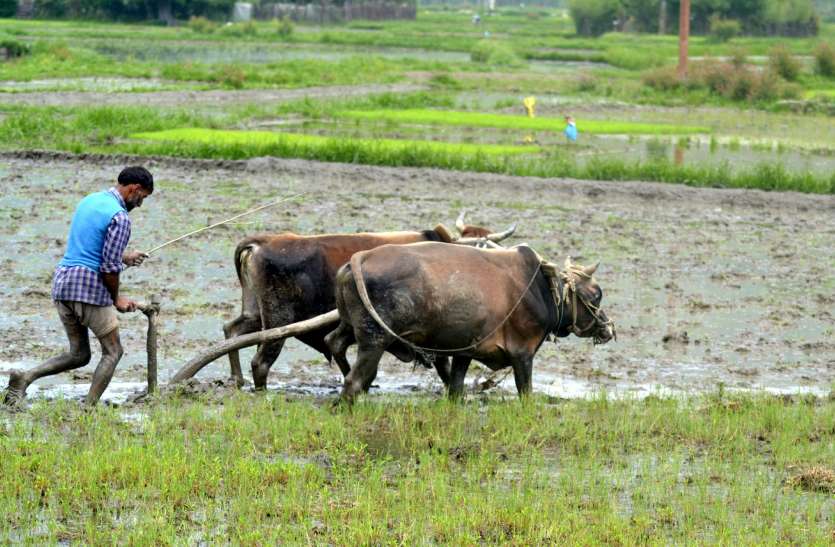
(341, 404)
(237, 380)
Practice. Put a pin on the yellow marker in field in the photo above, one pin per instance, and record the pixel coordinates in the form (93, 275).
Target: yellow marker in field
(530, 103)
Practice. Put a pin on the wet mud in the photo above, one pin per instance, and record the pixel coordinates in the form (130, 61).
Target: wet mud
(706, 286)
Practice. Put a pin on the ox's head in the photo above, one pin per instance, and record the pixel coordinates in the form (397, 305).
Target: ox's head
(582, 298)
(470, 231)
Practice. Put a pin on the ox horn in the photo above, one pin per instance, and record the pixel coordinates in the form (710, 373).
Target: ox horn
(589, 270)
(459, 223)
(502, 235)
(567, 264)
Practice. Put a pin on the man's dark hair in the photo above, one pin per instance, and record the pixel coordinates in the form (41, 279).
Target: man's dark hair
(137, 175)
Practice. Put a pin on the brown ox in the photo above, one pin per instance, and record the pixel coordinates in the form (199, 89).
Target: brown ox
(287, 278)
(496, 306)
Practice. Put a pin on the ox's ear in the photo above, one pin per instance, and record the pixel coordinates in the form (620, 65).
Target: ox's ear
(589, 270)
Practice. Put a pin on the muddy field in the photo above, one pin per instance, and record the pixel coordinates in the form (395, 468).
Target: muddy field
(706, 286)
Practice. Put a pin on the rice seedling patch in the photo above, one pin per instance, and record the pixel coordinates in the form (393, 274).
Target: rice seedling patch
(504, 121)
(316, 142)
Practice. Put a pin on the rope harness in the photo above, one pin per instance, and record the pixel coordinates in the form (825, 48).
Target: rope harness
(560, 295)
(569, 288)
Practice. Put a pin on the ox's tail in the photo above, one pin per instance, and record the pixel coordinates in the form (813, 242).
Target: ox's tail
(243, 252)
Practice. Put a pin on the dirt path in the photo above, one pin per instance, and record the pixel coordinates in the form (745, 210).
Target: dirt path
(212, 97)
(706, 285)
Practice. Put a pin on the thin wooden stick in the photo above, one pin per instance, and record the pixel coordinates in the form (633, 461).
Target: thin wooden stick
(255, 210)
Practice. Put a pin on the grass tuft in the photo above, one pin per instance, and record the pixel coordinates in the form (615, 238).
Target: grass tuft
(815, 479)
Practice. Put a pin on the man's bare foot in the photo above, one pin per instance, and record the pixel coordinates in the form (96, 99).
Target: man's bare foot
(16, 392)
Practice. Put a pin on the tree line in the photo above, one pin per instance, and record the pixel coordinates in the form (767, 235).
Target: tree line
(123, 10)
(163, 11)
(758, 17)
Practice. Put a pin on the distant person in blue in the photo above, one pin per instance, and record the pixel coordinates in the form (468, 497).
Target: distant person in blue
(85, 285)
(570, 129)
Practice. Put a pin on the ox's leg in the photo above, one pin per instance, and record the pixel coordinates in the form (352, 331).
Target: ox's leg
(338, 341)
(243, 324)
(273, 314)
(441, 364)
(522, 373)
(460, 364)
(316, 340)
(363, 372)
(264, 358)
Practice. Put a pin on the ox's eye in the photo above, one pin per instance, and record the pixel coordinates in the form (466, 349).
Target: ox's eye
(598, 295)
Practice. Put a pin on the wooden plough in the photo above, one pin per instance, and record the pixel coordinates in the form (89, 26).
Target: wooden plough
(222, 348)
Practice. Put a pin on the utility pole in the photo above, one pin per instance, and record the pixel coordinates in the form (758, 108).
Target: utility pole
(683, 35)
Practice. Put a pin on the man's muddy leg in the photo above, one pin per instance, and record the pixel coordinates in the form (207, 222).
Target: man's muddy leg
(78, 356)
(111, 353)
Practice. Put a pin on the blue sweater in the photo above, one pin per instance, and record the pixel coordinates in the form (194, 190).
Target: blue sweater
(571, 132)
(88, 230)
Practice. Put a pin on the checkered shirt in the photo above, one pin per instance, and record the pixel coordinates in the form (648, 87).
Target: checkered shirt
(80, 284)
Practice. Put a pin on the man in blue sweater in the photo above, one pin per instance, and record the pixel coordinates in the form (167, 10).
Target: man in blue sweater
(570, 129)
(85, 286)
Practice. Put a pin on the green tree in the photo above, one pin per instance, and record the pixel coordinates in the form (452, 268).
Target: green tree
(8, 8)
(644, 13)
(594, 17)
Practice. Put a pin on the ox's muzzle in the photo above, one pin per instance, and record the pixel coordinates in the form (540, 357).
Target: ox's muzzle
(601, 329)
(605, 329)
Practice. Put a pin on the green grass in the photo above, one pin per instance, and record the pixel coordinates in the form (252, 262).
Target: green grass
(265, 470)
(112, 129)
(481, 119)
(202, 143)
(823, 93)
(285, 144)
(561, 162)
(58, 60)
(66, 49)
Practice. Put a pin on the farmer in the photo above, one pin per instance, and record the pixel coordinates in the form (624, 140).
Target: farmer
(570, 129)
(85, 285)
